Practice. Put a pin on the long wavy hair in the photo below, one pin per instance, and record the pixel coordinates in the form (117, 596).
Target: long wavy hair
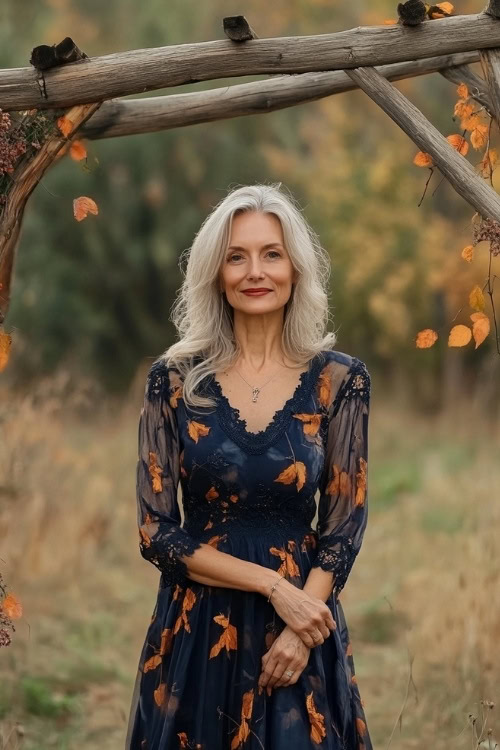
(202, 315)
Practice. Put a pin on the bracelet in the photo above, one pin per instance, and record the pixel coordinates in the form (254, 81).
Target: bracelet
(273, 587)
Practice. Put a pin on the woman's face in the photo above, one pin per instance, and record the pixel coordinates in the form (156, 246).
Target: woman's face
(256, 258)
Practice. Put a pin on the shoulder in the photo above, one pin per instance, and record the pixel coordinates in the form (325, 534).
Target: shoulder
(345, 364)
(347, 376)
(162, 380)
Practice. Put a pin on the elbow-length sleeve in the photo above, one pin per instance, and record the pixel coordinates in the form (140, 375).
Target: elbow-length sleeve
(343, 509)
(162, 540)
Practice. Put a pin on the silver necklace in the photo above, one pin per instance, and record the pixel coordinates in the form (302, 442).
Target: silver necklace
(255, 390)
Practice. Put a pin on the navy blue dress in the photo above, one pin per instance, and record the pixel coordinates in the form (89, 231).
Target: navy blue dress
(251, 495)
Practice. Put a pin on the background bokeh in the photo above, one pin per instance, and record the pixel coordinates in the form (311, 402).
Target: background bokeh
(89, 312)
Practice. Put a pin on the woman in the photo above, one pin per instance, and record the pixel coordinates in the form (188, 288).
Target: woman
(252, 411)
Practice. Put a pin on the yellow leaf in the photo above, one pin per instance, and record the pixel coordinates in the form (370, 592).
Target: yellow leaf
(476, 298)
(5, 344)
(422, 159)
(460, 335)
(426, 338)
(12, 607)
(463, 109)
(82, 206)
(479, 136)
(480, 327)
(77, 151)
(459, 143)
(468, 253)
(65, 125)
(463, 91)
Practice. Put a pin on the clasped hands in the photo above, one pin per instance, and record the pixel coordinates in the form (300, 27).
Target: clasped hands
(308, 622)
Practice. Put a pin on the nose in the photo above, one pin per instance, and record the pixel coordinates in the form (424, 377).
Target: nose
(255, 269)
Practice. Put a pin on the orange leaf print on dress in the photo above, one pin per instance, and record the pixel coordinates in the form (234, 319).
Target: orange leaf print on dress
(324, 388)
(311, 423)
(288, 565)
(155, 471)
(361, 482)
(243, 729)
(316, 719)
(177, 394)
(185, 744)
(153, 662)
(211, 494)
(228, 638)
(188, 603)
(296, 472)
(197, 429)
(340, 484)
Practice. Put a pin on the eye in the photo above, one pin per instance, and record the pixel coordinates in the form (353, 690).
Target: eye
(275, 252)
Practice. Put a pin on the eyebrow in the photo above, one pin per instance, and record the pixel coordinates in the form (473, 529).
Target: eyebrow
(264, 247)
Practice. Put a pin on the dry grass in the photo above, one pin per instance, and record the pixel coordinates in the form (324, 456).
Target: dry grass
(422, 601)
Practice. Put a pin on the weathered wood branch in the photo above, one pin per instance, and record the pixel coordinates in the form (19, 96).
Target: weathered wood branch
(132, 116)
(136, 71)
(452, 165)
(25, 178)
(490, 63)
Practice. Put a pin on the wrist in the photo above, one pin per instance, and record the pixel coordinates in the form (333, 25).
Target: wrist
(268, 579)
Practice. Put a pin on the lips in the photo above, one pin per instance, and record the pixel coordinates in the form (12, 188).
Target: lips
(256, 292)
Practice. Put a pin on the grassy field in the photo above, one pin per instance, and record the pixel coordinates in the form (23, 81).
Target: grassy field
(422, 601)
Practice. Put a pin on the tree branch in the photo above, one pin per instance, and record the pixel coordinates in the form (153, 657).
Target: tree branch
(134, 116)
(124, 73)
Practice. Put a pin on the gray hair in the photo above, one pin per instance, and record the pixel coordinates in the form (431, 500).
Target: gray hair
(202, 315)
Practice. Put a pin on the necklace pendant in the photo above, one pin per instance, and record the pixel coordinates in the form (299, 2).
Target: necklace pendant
(255, 393)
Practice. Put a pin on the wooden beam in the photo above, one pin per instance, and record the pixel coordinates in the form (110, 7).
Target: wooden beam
(137, 71)
(133, 116)
(460, 173)
(490, 63)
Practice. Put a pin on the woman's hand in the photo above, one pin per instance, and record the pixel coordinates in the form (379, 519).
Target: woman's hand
(309, 617)
(287, 652)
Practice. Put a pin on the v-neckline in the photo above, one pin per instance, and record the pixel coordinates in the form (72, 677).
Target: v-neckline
(236, 426)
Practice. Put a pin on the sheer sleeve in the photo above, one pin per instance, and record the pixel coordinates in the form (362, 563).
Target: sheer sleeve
(342, 509)
(162, 540)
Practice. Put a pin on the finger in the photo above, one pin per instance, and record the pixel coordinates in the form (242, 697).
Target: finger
(267, 672)
(317, 637)
(325, 631)
(284, 680)
(279, 671)
(330, 622)
(306, 639)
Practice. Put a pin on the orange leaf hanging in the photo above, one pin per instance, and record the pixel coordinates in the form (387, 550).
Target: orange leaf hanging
(82, 206)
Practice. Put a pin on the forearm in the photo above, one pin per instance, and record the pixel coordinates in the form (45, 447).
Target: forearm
(319, 583)
(215, 568)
